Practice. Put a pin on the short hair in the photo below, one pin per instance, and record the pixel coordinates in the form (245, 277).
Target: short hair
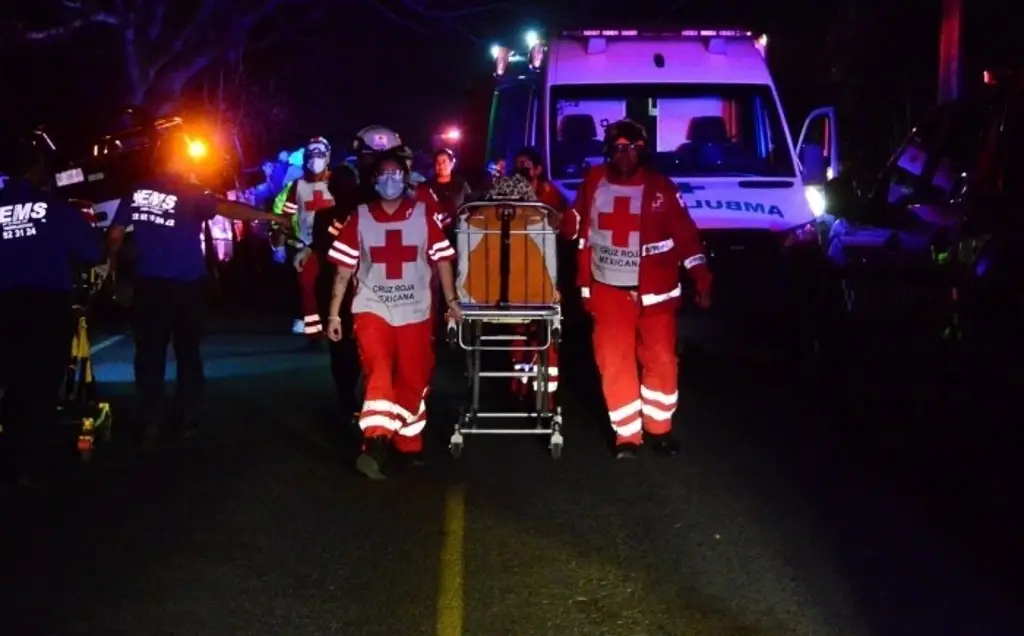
(445, 152)
(530, 153)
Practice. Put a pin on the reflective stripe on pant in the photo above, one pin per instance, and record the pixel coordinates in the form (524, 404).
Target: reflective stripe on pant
(526, 360)
(398, 363)
(625, 338)
(307, 289)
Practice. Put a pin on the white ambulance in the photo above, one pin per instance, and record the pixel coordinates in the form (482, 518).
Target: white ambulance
(716, 127)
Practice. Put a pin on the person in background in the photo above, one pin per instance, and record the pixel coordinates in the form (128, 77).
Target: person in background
(168, 213)
(450, 189)
(391, 246)
(308, 196)
(528, 166)
(42, 238)
(344, 185)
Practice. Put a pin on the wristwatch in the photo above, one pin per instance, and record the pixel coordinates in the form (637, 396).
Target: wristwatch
(453, 299)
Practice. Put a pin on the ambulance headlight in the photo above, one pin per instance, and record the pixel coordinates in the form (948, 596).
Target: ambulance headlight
(816, 199)
(501, 60)
(532, 39)
(537, 55)
(495, 51)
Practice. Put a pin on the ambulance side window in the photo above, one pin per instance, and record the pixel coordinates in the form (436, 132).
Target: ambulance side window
(512, 111)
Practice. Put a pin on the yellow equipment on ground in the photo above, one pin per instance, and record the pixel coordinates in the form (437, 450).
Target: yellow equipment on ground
(80, 406)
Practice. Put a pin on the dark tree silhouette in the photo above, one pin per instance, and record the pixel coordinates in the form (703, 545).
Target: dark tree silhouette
(164, 44)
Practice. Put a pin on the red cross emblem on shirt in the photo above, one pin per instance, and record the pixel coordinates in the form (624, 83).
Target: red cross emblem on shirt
(621, 221)
(393, 254)
(317, 202)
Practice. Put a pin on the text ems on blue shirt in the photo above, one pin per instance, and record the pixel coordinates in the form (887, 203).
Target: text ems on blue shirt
(167, 216)
(42, 238)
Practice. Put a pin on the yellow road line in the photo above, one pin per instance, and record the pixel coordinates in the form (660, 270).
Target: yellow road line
(451, 610)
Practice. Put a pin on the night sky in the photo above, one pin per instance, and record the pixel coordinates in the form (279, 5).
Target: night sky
(351, 64)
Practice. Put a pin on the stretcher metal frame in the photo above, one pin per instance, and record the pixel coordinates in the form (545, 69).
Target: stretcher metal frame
(472, 335)
(78, 398)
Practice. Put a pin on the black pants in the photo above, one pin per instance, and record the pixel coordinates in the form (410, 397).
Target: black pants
(36, 329)
(345, 366)
(168, 312)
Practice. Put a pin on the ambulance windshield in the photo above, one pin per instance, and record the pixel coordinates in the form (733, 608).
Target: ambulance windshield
(695, 130)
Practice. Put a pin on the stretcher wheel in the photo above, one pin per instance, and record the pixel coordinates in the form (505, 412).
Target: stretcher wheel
(455, 445)
(452, 333)
(556, 445)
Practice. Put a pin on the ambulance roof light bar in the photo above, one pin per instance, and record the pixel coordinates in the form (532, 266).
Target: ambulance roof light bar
(658, 33)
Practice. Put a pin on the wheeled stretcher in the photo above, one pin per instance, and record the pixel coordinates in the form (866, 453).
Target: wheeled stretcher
(508, 291)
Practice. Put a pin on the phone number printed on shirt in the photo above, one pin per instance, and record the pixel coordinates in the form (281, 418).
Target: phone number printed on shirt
(152, 218)
(21, 232)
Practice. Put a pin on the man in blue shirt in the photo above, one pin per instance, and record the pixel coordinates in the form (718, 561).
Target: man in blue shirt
(166, 215)
(42, 239)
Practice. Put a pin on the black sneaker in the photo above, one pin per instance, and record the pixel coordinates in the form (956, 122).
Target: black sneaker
(371, 461)
(148, 438)
(663, 445)
(626, 450)
(413, 460)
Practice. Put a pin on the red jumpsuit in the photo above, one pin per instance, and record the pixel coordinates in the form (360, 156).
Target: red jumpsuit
(307, 197)
(633, 235)
(526, 360)
(393, 257)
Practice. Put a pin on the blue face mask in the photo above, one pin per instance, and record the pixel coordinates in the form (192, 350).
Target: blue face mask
(390, 186)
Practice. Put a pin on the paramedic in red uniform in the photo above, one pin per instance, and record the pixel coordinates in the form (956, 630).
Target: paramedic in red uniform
(529, 165)
(633, 234)
(391, 246)
(307, 196)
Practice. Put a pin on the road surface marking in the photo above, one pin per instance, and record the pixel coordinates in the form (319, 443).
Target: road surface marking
(450, 601)
(108, 342)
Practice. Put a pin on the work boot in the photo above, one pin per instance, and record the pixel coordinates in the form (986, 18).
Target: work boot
(626, 450)
(663, 445)
(371, 461)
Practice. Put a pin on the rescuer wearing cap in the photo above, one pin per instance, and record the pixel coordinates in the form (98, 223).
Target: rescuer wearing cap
(41, 239)
(308, 196)
(167, 214)
(633, 233)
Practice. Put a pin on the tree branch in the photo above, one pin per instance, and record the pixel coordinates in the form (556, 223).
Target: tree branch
(67, 28)
(156, 21)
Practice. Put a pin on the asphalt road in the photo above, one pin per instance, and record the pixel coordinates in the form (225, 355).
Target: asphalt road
(773, 520)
